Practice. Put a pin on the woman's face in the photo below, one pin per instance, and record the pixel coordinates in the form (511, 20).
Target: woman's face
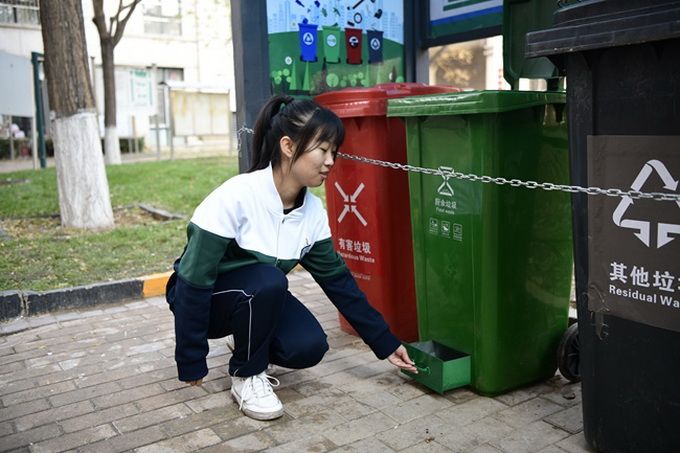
(312, 167)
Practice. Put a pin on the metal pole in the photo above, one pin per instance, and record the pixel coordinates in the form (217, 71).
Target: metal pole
(11, 139)
(134, 133)
(251, 67)
(171, 121)
(34, 140)
(155, 117)
(36, 58)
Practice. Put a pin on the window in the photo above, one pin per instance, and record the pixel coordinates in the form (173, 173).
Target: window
(19, 12)
(162, 17)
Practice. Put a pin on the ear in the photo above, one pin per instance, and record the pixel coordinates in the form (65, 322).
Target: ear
(287, 146)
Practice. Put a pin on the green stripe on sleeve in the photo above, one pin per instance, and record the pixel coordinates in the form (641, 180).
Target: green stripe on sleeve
(322, 261)
(199, 263)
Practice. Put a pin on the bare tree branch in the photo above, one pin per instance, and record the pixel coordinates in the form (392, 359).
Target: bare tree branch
(120, 28)
(99, 19)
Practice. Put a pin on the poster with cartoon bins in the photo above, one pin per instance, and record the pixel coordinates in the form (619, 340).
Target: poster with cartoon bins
(322, 45)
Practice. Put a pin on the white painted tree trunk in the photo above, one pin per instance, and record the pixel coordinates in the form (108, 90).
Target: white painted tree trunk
(111, 146)
(83, 189)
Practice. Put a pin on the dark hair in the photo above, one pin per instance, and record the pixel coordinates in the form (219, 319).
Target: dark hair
(304, 121)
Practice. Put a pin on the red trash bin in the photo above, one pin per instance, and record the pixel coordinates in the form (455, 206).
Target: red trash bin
(368, 206)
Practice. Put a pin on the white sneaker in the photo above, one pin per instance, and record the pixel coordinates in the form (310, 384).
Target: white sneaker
(231, 345)
(256, 397)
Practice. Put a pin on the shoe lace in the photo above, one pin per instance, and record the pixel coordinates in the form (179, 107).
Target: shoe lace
(258, 386)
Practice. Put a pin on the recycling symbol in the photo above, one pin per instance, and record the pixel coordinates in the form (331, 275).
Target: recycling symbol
(445, 188)
(353, 41)
(308, 39)
(375, 44)
(643, 227)
(331, 41)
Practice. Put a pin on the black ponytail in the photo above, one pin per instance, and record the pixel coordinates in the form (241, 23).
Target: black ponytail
(304, 121)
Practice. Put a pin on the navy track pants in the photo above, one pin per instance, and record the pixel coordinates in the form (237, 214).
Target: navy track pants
(268, 323)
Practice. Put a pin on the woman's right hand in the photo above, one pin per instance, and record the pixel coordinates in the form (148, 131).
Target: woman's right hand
(195, 383)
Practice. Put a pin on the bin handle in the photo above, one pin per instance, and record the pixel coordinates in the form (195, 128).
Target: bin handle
(424, 370)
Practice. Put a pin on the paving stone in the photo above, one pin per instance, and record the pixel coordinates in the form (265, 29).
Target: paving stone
(369, 444)
(74, 440)
(460, 395)
(377, 399)
(39, 381)
(486, 448)
(154, 417)
(313, 444)
(18, 410)
(13, 326)
(570, 420)
(568, 395)
(255, 441)
(50, 415)
(6, 429)
(527, 412)
(409, 390)
(242, 425)
(551, 449)
(14, 376)
(13, 367)
(127, 395)
(188, 442)
(169, 398)
(361, 428)
(28, 437)
(575, 444)
(320, 401)
(215, 400)
(122, 359)
(100, 417)
(84, 394)
(128, 441)
(288, 429)
(428, 447)
(519, 396)
(417, 407)
(195, 422)
(37, 393)
(530, 438)
(471, 436)
(471, 411)
(414, 432)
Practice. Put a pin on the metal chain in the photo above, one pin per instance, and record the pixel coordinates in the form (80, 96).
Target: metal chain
(448, 172)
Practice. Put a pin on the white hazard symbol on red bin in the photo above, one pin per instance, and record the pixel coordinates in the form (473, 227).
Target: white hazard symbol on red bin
(643, 227)
(350, 203)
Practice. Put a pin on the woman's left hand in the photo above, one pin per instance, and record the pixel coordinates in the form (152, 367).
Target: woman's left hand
(400, 358)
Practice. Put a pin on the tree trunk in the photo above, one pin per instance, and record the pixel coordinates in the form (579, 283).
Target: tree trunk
(84, 200)
(111, 143)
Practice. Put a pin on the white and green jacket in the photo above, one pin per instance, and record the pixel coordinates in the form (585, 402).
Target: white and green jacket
(240, 223)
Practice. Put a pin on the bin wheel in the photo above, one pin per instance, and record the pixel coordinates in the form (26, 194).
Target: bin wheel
(568, 354)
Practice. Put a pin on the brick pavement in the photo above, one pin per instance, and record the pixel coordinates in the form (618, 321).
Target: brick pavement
(105, 381)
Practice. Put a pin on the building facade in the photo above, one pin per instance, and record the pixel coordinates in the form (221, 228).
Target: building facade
(174, 67)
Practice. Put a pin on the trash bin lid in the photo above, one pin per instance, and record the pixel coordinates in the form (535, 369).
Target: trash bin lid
(472, 102)
(519, 18)
(352, 102)
(596, 24)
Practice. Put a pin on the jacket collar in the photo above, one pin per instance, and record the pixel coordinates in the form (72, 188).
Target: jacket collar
(273, 203)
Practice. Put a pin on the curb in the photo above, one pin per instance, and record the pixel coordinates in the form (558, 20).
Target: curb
(17, 304)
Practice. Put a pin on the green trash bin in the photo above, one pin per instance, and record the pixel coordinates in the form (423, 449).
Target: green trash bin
(493, 263)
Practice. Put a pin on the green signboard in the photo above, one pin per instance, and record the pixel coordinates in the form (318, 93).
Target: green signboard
(462, 20)
(323, 45)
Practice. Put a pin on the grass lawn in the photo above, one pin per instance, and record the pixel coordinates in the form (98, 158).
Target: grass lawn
(38, 254)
